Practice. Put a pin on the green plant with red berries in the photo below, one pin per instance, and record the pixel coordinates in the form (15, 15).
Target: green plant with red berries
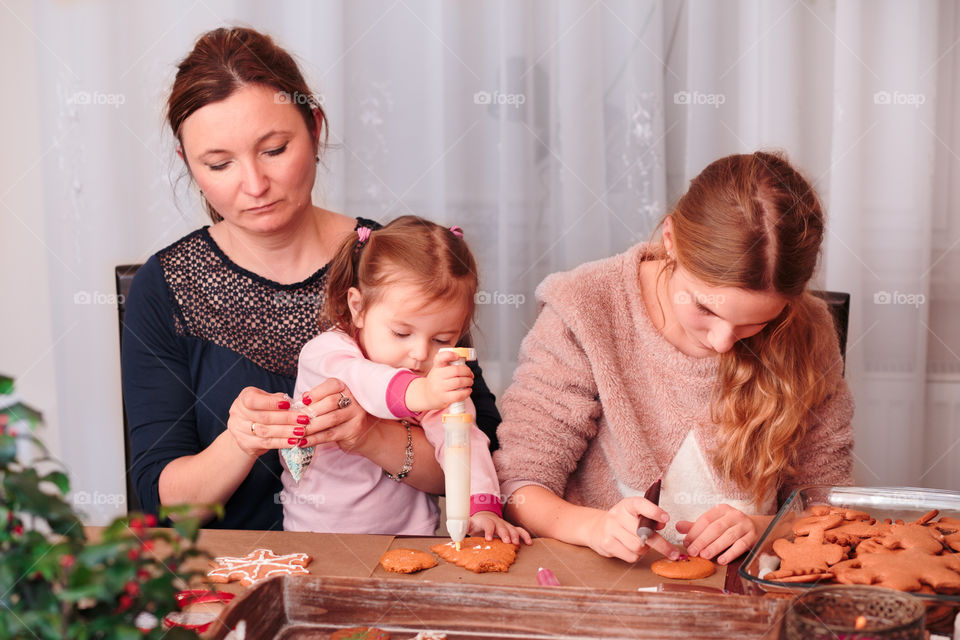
(56, 583)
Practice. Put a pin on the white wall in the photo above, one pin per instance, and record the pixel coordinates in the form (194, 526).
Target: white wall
(26, 337)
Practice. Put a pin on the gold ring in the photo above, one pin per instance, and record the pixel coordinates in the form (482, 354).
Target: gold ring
(252, 428)
(343, 402)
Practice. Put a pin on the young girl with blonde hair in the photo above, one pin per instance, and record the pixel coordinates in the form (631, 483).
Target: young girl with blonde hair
(702, 360)
(395, 296)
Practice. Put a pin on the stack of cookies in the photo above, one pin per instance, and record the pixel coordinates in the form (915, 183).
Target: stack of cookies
(851, 547)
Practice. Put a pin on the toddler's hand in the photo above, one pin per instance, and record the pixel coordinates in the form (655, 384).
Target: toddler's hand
(442, 386)
(721, 529)
(491, 525)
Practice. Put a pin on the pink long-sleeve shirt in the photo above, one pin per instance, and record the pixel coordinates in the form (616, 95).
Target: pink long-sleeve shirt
(602, 404)
(341, 492)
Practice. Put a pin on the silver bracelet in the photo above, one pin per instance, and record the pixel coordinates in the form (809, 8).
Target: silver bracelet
(407, 459)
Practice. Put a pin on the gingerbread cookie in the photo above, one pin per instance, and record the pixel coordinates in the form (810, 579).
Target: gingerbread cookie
(478, 554)
(806, 556)
(852, 533)
(360, 633)
(257, 565)
(407, 560)
(686, 568)
(906, 570)
(912, 536)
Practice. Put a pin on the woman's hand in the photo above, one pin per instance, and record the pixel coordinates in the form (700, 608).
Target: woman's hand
(348, 425)
(261, 421)
(613, 533)
(721, 529)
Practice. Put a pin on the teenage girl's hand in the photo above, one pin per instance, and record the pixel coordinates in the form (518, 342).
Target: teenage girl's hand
(613, 533)
(491, 526)
(721, 529)
(442, 386)
(261, 421)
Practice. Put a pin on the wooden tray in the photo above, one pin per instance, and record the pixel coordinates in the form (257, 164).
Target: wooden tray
(295, 607)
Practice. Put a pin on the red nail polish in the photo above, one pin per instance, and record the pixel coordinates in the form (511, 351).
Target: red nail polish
(291, 441)
(303, 442)
(303, 419)
(283, 404)
(307, 399)
(299, 431)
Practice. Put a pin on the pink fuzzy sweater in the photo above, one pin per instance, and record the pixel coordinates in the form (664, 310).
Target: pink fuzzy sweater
(600, 402)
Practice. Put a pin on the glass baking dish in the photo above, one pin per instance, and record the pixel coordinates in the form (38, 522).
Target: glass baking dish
(903, 503)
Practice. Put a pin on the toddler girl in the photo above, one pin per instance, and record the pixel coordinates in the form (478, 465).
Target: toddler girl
(395, 296)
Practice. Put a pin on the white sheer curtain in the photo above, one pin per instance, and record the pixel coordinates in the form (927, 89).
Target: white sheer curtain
(553, 132)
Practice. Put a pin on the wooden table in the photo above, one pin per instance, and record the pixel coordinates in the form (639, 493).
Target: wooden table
(597, 593)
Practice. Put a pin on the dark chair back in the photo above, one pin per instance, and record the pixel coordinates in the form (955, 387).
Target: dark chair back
(839, 306)
(124, 277)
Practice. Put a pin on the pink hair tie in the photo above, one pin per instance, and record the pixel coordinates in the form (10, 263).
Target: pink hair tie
(363, 233)
(457, 231)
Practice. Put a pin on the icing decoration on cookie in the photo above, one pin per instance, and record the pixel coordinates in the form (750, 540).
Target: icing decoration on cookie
(257, 565)
(478, 554)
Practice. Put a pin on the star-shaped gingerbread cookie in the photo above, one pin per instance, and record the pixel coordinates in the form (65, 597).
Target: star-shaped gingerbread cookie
(257, 565)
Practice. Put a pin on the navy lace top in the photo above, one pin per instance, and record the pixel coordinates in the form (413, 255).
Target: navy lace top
(198, 329)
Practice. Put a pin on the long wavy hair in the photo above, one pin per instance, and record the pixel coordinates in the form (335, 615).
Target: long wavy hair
(753, 222)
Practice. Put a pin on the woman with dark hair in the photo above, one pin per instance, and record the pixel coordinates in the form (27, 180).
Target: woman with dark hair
(701, 360)
(215, 321)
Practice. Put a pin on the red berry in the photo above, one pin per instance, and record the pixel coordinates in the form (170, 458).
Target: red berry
(147, 545)
(143, 574)
(125, 602)
(133, 554)
(18, 530)
(67, 561)
(132, 588)
(137, 524)
(150, 520)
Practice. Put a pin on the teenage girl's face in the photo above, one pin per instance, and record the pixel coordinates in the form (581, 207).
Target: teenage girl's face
(253, 157)
(712, 319)
(398, 330)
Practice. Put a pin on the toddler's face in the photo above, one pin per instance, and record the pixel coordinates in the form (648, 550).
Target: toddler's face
(398, 330)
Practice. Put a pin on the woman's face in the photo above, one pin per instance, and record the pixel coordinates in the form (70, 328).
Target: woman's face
(253, 158)
(712, 319)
